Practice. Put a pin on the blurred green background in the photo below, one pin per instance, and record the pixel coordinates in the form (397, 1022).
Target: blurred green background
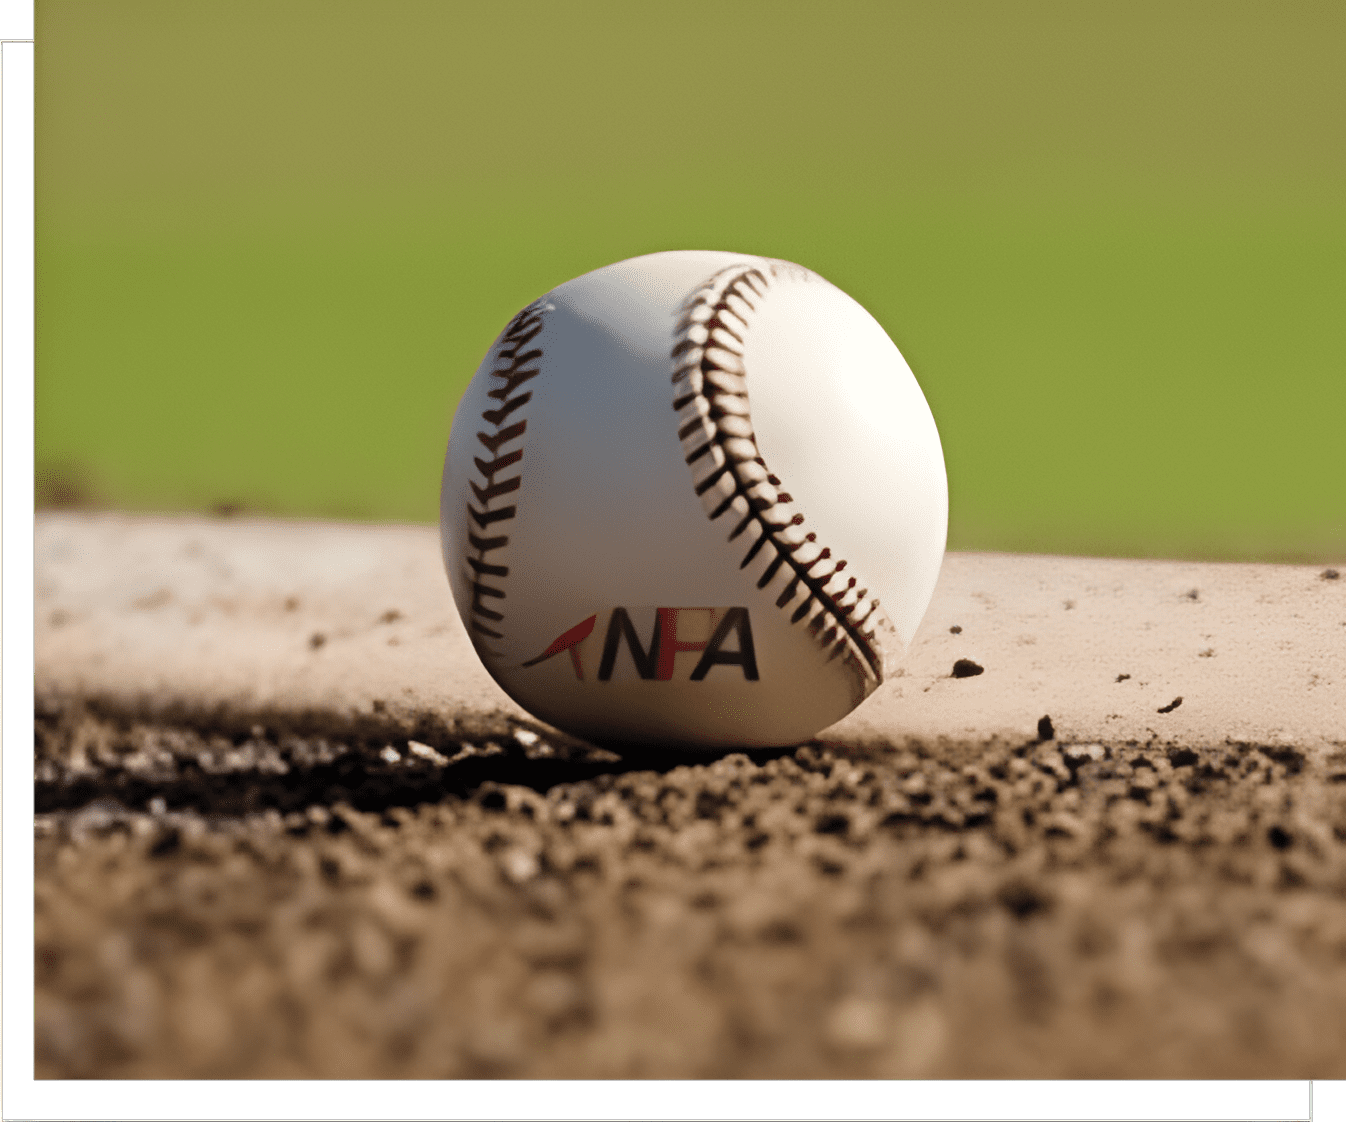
(275, 238)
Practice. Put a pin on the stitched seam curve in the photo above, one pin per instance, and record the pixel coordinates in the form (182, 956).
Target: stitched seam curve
(711, 398)
(516, 364)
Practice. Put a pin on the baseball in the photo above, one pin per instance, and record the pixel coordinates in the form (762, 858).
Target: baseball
(693, 500)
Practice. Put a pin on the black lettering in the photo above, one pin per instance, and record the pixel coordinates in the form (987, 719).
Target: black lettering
(618, 626)
(745, 656)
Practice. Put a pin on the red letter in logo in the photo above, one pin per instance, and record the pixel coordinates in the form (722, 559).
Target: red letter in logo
(569, 641)
(670, 644)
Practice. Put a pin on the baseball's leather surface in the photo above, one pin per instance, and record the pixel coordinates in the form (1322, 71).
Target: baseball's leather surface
(693, 499)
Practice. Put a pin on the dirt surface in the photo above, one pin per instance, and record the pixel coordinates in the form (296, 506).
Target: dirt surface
(288, 827)
(228, 902)
(242, 616)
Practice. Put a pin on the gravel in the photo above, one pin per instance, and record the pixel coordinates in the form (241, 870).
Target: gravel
(309, 898)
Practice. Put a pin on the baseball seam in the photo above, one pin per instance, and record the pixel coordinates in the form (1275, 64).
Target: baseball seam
(729, 473)
(486, 578)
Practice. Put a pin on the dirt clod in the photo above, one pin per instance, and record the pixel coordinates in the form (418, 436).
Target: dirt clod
(966, 668)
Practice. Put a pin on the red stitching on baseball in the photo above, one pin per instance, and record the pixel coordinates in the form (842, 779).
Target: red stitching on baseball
(718, 443)
(512, 366)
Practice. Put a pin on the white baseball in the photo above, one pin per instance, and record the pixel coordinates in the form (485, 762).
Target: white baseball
(693, 499)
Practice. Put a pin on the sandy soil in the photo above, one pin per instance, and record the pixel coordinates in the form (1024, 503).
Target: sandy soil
(287, 827)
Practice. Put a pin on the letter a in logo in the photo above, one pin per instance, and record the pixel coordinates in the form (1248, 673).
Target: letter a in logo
(735, 619)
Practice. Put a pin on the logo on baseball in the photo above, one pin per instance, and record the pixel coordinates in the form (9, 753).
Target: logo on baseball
(682, 430)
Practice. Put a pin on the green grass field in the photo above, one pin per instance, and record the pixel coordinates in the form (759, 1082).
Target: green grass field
(274, 240)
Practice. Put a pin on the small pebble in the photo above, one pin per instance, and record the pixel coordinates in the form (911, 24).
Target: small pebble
(519, 865)
(857, 1024)
(425, 752)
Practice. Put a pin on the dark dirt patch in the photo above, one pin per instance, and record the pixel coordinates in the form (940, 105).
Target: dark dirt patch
(66, 485)
(966, 668)
(216, 901)
(228, 508)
